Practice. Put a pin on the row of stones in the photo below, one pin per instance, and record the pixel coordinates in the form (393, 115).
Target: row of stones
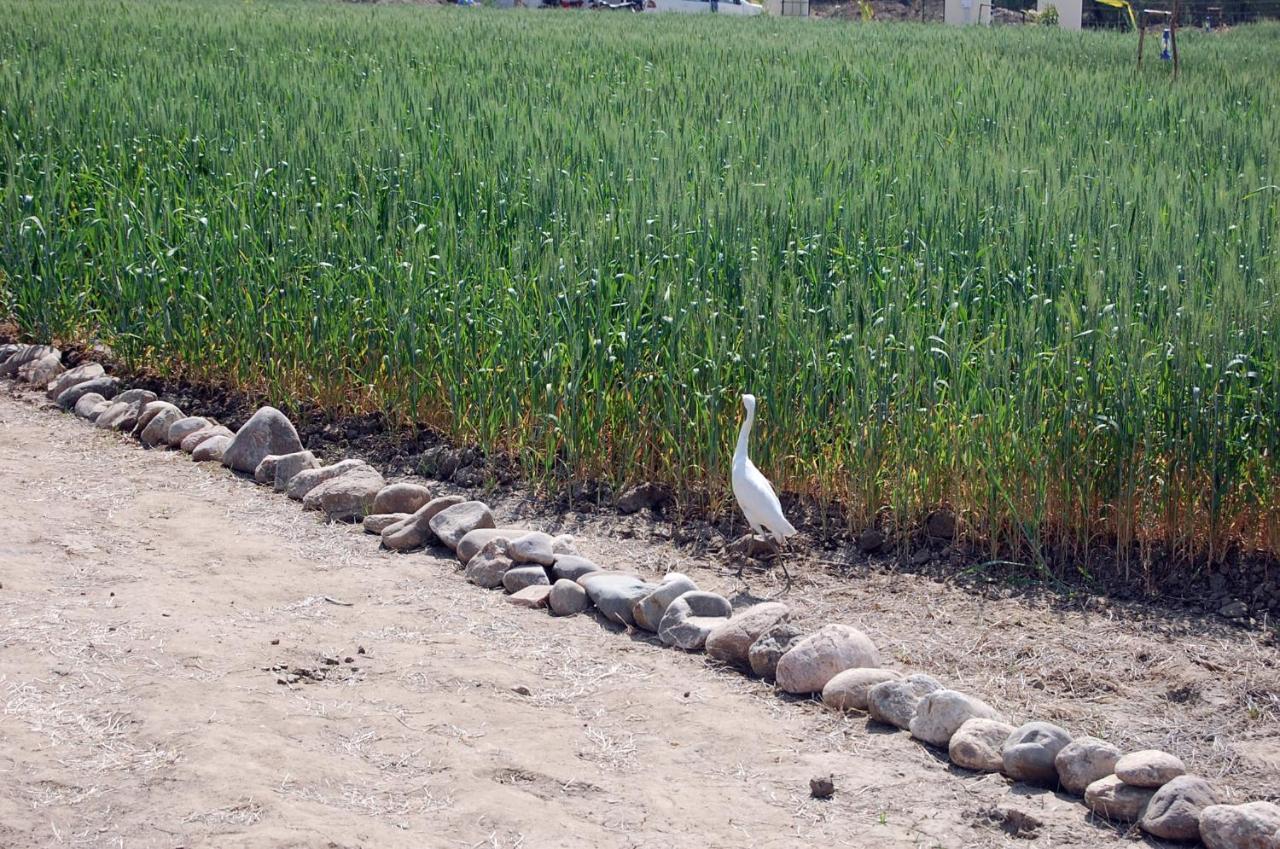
(541, 571)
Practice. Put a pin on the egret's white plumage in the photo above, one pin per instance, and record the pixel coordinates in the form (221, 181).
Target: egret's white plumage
(755, 494)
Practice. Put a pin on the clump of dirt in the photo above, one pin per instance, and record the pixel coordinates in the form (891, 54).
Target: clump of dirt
(328, 668)
(1011, 821)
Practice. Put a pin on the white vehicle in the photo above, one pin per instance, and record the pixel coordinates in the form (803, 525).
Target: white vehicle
(723, 7)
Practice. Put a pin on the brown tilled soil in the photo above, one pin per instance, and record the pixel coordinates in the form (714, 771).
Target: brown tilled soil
(187, 660)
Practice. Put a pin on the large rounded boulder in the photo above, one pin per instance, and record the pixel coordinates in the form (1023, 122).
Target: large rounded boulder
(1174, 811)
(107, 387)
(268, 431)
(849, 690)
(690, 617)
(1253, 825)
(894, 702)
(1112, 799)
(979, 744)
(1031, 751)
(25, 355)
(1083, 761)
(402, 497)
(823, 655)
(730, 642)
(348, 497)
(648, 611)
(941, 713)
(414, 530)
(73, 377)
(453, 523)
(615, 594)
(1149, 768)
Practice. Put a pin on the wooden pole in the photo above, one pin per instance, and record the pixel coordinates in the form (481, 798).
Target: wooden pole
(1173, 37)
(1142, 34)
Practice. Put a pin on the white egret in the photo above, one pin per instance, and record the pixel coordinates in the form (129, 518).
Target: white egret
(755, 494)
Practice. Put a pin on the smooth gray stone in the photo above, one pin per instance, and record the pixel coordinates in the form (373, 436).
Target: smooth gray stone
(348, 497)
(730, 642)
(941, 713)
(150, 411)
(268, 431)
(376, 523)
(183, 428)
(308, 479)
(568, 598)
(648, 611)
(811, 663)
(571, 567)
(894, 702)
(73, 377)
(192, 441)
(401, 498)
(1112, 799)
(414, 531)
(1083, 761)
(514, 580)
(1174, 811)
(287, 467)
(978, 744)
(1031, 751)
(211, 449)
(156, 431)
(88, 403)
(476, 540)
(690, 617)
(125, 409)
(1149, 768)
(453, 523)
(615, 594)
(534, 547)
(107, 387)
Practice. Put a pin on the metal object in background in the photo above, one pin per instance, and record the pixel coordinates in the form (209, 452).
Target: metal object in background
(1170, 36)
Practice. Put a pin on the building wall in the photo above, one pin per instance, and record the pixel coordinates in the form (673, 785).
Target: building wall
(1070, 12)
(963, 12)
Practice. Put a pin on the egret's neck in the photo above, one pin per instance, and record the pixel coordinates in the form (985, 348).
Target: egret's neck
(744, 436)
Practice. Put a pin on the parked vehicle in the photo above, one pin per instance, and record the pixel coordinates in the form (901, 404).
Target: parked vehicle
(723, 7)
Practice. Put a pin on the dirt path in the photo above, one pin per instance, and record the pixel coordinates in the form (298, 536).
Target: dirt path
(150, 608)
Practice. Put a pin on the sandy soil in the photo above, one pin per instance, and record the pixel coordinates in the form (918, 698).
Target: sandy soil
(151, 607)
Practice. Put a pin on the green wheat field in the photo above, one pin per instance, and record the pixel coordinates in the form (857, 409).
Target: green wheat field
(995, 270)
